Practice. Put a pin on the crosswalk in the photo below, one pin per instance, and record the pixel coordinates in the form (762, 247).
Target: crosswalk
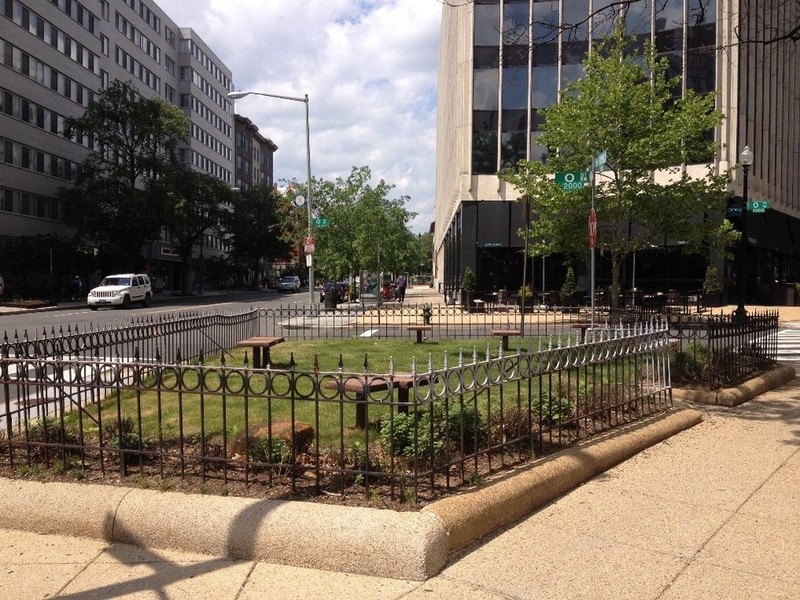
(789, 345)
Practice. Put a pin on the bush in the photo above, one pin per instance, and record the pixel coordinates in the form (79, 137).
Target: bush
(49, 431)
(121, 434)
(435, 431)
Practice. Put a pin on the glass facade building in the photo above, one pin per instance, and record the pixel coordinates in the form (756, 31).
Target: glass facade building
(503, 61)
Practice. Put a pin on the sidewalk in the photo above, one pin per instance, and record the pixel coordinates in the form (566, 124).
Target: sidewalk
(709, 513)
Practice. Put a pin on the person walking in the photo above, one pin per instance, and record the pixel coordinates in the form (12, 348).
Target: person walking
(400, 289)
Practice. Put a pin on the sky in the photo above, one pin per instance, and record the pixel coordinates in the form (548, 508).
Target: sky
(369, 68)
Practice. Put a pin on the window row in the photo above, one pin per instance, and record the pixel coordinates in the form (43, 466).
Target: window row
(21, 62)
(145, 14)
(138, 70)
(221, 100)
(78, 13)
(50, 34)
(23, 109)
(190, 101)
(130, 31)
(190, 47)
(24, 157)
(31, 205)
(209, 141)
(207, 165)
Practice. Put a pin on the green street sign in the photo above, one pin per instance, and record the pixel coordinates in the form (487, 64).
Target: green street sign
(321, 222)
(572, 181)
(757, 206)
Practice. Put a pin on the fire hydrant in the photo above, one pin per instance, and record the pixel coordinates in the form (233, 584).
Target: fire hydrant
(427, 313)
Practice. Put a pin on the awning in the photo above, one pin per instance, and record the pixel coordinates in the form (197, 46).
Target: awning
(770, 231)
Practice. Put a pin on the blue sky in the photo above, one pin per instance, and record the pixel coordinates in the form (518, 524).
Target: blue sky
(368, 66)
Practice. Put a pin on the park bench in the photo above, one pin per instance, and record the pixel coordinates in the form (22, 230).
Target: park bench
(361, 387)
(260, 346)
(505, 334)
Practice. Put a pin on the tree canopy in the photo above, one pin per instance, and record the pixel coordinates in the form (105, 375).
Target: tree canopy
(255, 228)
(113, 203)
(366, 228)
(624, 108)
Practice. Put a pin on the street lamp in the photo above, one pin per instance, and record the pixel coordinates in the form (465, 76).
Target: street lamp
(304, 100)
(745, 160)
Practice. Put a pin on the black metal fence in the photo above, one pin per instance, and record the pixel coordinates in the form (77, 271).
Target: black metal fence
(408, 436)
(184, 335)
(722, 350)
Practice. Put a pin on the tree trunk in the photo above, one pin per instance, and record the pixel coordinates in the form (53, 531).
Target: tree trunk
(616, 268)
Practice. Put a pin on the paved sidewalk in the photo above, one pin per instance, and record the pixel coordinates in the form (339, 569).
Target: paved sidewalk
(709, 513)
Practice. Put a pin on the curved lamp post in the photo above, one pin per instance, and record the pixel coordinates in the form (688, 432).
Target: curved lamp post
(745, 160)
(304, 100)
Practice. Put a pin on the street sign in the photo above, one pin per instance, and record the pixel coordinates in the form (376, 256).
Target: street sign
(309, 245)
(592, 228)
(572, 181)
(321, 222)
(757, 206)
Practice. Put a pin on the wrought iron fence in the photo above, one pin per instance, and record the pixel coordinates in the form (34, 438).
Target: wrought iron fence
(720, 350)
(410, 436)
(184, 334)
(446, 322)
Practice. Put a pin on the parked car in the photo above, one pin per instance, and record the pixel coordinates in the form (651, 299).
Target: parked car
(338, 290)
(289, 283)
(121, 290)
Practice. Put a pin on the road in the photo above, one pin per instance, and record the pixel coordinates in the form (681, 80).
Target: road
(82, 317)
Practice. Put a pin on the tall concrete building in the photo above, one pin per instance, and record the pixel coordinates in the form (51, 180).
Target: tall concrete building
(56, 56)
(503, 61)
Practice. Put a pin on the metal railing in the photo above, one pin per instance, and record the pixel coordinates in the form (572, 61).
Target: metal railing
(408, 436)
(178, 336)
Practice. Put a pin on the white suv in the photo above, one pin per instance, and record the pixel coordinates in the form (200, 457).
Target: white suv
(121, 290)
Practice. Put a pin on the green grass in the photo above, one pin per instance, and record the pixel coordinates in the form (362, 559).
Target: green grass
(166, 415)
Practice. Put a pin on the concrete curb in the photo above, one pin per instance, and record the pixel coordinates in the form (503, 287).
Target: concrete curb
(742, 393)
(383, 543)
(470, 516)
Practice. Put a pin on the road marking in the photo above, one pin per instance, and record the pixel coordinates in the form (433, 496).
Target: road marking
(370, 333)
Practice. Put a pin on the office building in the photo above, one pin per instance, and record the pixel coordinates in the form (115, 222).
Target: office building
(503, 61)
(56, 56)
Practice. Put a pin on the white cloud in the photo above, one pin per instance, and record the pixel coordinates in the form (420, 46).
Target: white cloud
(368, 66)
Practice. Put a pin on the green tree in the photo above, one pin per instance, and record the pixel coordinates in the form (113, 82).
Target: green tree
(194, 204)
(366, 229)
(254, 226)
(624, 107)
(113, 204)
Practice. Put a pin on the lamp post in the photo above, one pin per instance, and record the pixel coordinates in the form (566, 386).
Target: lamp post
(745, 160)
(304, 100)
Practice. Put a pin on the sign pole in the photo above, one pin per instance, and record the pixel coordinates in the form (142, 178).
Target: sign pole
(591, 250)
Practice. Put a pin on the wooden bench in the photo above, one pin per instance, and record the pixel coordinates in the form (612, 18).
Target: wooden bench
(260, 346)
(505, 334)
(419, 329)
(362, 386)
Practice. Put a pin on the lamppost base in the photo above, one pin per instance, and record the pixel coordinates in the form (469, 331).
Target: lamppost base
(740, 313)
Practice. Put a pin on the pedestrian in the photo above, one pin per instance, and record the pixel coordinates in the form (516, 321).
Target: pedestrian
(400, 288)
(75, 287)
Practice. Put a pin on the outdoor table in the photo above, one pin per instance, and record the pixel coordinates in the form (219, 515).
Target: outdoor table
(360, 386)
(260, 346)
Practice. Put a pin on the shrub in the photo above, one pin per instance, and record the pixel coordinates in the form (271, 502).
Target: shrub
(121, 434)
(436, 431)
